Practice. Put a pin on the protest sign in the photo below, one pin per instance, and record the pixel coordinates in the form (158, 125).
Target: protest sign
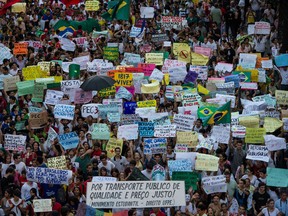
(107, 91)
(5, 53)
(92, 5)
(131, 59)
(151, 88)
(127, 119)
(281, 97)
(112, 144)
(277, 177)
(158, 173)
(214, 184)
(206, 162)
(203, 50)
(249, 121)
(69, 140)
(116, 101)
(48, 176)
(255, 135)
(183, 122)
(146, 12)
(247, 60)
(113, 117)
(154, 58)
(126, 194)
(267, 64)
(160, 38)
(202, 71)
(179, 165)
(233, 78)
(258, 153)
(147, 69)
(228, 87)
(82, 96)
(135, 31)
(221, 134)
(103, 179)
(165, 131)
(20, 49)
(129, 107)
(57, 162)
(53, 97)
(187, 137)
(274, 143)
(156, 75)
(238, 131)
(15, 142)
(272, 124)
(155, 145)
(106, 108)
(33, 72)
(285, 124)
(198, 59)
(129, 132)
(123, 79)
(177, 74)
(145, 112)
(262, 28)
(147, 103)
(38, 120)
(10, 83)
(100, 131)
(169, 22)
(69, 87)
(90, 110)
(181, 147)
(190, 178)
(206, 143)
(63, 111)
(51, 136)
(146, 129)
(42, 205)
(38, 93)
(249, 86)
(111, 53)
(123, 93)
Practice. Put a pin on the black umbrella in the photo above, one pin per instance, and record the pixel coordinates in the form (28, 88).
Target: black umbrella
(97, 83)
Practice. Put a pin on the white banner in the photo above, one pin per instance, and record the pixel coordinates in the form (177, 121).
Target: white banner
(135, 194)
(129, 132)
(90, 110)
(274, 143)
(258, 153)
(214, 184)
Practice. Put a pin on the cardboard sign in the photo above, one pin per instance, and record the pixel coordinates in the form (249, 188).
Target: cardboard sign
(10, 83)
(38, 120)
(20, 49)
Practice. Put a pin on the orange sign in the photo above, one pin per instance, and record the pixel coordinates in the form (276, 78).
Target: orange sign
(20, 49)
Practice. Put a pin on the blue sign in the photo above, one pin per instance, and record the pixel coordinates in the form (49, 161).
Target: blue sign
(69, 140)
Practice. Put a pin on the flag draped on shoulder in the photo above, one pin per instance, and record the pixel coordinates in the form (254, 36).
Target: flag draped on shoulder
(117, 9)
(212, 115)
(8, 4)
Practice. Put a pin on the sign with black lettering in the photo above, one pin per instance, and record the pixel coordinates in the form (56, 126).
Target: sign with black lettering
(135, 194)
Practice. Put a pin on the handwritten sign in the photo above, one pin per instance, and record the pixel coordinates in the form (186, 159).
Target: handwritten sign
(129, 132)
(53, 97)
(179, 165)
(42, 205)
(165, 131)
(274, 143)
(221, 134)
(146, 129)
(69, 140)
(100, 131)
(187, 137)
(255, 135)
(281, 97)
(147, 103)
(57, 162)
(154, 58)
(123, 79)
(90, 110)
(15, 142)
(112, 144)
(258, 153)
(183, 122)
(155, 145)
(277, 177)
(206, 162)
(214, 184)
(10, 83)
(38, 120)
(20, 49)
(63, 111)
(48, 176)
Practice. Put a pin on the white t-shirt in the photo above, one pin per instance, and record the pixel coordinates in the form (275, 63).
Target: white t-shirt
(273, 213)
(109, 166)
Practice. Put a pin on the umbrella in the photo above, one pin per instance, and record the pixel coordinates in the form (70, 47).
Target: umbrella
(97, 83)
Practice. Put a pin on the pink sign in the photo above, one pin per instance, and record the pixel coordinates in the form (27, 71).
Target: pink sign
(147, 68)
(203, 51)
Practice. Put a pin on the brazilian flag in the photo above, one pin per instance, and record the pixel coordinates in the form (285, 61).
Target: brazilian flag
(117, 9)
(211, 115)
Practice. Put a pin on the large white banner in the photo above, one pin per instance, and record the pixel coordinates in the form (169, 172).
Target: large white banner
(135, 194)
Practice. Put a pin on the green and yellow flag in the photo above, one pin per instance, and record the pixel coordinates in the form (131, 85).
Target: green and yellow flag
(212, 115)
(117, 9)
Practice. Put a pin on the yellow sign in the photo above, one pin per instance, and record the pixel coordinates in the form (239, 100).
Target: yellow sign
(272, 124)
(150, 88)
(45, 66)
(187, 137)
(281, 97)
(19, 7)
(206, 162)
(57, 162)
(92, 5)
(33, 72)
(255, 135)
(198, 59)
(58, 79)
(202, 90)
(182, 51)
(154, 58)
(107, 91)
(147, 103)
(111, 145)
(123, 79)
(249, 121)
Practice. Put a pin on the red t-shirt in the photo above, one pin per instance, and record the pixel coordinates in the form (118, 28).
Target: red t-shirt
(57, 207)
